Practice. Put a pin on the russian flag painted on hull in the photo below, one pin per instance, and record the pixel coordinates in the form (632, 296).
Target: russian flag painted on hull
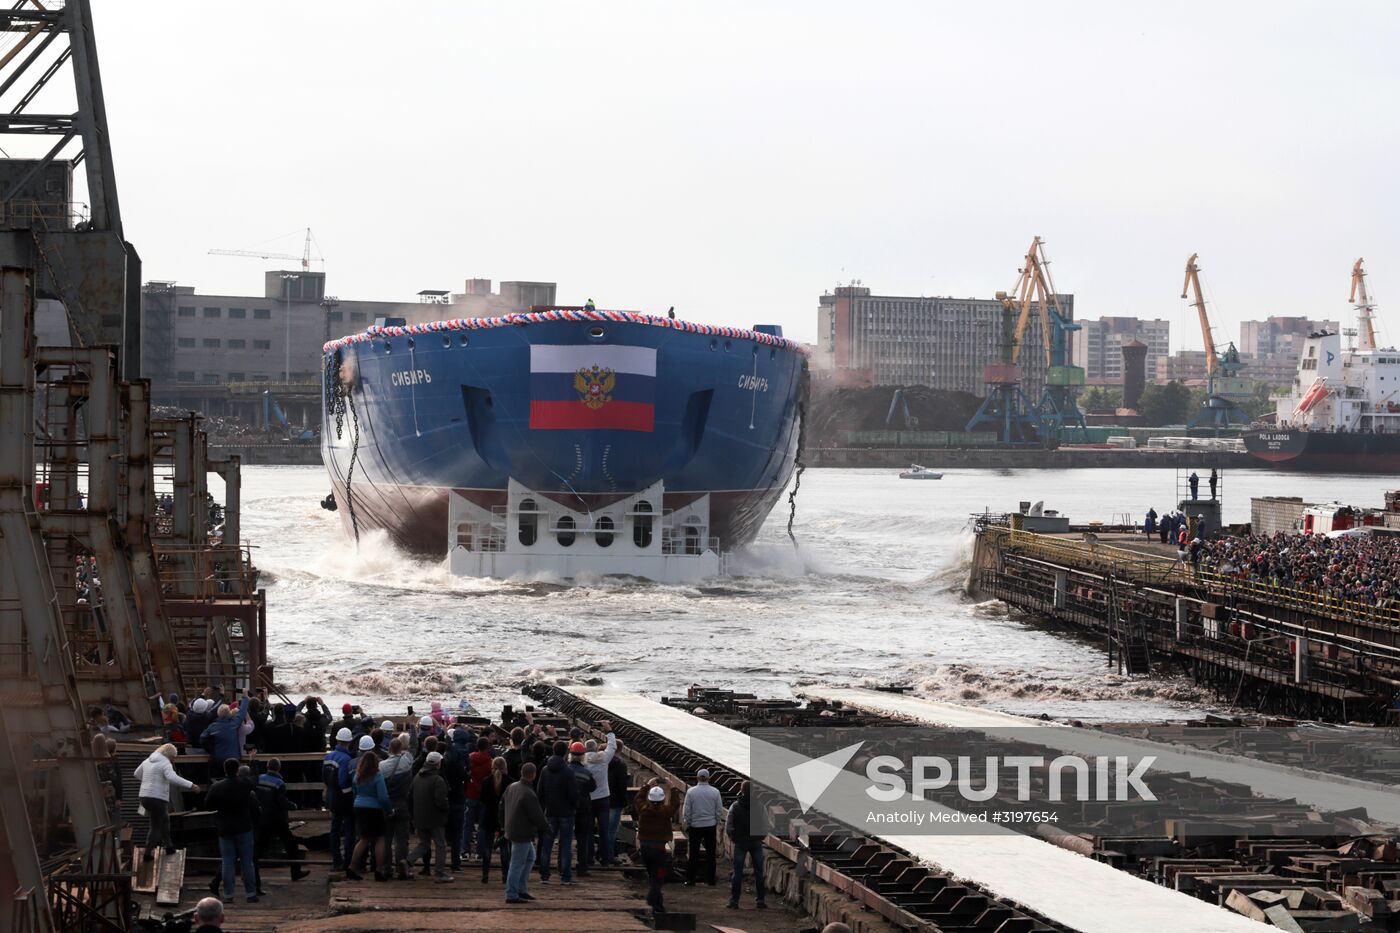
(604, 387)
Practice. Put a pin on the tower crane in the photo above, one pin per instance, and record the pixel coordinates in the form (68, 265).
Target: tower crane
(1365, 308)
(1217, 410)
(305, 256)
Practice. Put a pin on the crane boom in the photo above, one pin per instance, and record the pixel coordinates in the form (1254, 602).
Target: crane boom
(1036, 287)
(1193, 283)
(1365, 308)
(255, 254)
(305, 256)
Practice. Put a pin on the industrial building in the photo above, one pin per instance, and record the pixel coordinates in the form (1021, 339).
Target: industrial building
(1098, 346)
(201, 350)
(1283, 335)
(944, 343)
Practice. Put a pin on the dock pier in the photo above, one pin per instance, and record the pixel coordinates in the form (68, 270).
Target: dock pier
(1168, 873)
(1268, 648)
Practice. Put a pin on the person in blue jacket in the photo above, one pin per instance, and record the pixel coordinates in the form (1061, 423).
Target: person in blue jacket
(372, 807)
(220, 737)
(336, 775)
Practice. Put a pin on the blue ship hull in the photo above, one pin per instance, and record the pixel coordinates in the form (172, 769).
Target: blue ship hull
(411, 417)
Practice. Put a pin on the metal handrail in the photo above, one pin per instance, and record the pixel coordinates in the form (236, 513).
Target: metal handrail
(1120, 560)
(203, 572)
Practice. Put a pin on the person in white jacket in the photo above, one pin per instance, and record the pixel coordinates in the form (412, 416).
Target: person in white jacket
(156, 775)
(596, 760)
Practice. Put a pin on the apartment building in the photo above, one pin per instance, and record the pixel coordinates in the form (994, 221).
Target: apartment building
(1098, 346)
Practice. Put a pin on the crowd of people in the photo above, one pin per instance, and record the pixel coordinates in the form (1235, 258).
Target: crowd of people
(1365, 568)
(424, 795)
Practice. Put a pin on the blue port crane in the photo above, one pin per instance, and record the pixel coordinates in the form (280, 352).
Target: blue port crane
(897, 403)
(1006, 405)
(1218, 410)
(1059, 409)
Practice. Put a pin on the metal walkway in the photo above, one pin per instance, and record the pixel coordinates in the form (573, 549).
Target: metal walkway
(1063, 887)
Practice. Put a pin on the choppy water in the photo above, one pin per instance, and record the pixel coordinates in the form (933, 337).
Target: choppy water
(873, 596)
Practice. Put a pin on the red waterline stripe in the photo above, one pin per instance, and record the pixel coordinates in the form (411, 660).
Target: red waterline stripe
(574, 415)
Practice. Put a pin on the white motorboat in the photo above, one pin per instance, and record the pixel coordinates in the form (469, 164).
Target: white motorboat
(918, 472)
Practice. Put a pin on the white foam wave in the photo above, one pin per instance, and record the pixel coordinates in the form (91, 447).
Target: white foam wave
(962, 683)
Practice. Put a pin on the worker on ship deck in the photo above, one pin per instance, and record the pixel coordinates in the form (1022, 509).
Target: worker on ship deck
(589, 306)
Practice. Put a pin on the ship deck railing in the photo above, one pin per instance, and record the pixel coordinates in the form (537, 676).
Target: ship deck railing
(1147, 568)
(675, 544)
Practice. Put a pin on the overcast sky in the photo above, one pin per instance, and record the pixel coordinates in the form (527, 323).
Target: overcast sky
(737, 159)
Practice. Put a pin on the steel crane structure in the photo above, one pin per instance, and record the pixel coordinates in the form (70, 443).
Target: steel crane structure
(1006, 404)
(1217, 411)
(1058, 409)
(1365, 308)
(305, 256)
(1006, 407)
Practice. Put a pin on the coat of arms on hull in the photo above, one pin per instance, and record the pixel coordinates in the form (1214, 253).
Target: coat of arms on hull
(595, 385)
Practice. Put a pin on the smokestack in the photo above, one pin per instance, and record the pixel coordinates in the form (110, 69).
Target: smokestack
(1134, 372)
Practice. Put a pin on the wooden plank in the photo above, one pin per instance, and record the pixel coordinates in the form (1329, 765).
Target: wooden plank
(1240, 903)
(172, 878)
(1280, 917)
(144, 871)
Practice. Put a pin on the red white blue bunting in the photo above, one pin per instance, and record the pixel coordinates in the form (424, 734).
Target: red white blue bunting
(560, 314)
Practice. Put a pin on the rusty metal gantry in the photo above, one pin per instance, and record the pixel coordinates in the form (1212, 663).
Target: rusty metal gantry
(166, 606)
(82, 463)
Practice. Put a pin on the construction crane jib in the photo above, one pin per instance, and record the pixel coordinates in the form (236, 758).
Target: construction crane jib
(305, 256)
(1365, 307)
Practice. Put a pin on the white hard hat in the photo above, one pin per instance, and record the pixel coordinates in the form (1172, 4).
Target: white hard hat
(366, 743)
(387, 725)
(344, 735)
(426, 721)
(656, 794)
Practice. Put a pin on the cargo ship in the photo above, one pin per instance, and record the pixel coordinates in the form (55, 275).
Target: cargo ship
(1342, 413)
(563, 441)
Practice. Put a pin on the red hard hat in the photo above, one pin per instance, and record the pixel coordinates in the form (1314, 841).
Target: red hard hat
(576, 748)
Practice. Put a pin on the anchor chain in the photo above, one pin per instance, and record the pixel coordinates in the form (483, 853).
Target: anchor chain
(340, 401)
(350, 473)
(803, 397)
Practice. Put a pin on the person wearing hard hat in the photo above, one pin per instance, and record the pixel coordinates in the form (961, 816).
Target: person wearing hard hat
(340, 798)
(426, 729)
(583, 817)
(430, 816)
(589, 306)
(656, 811)
(372, 806)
